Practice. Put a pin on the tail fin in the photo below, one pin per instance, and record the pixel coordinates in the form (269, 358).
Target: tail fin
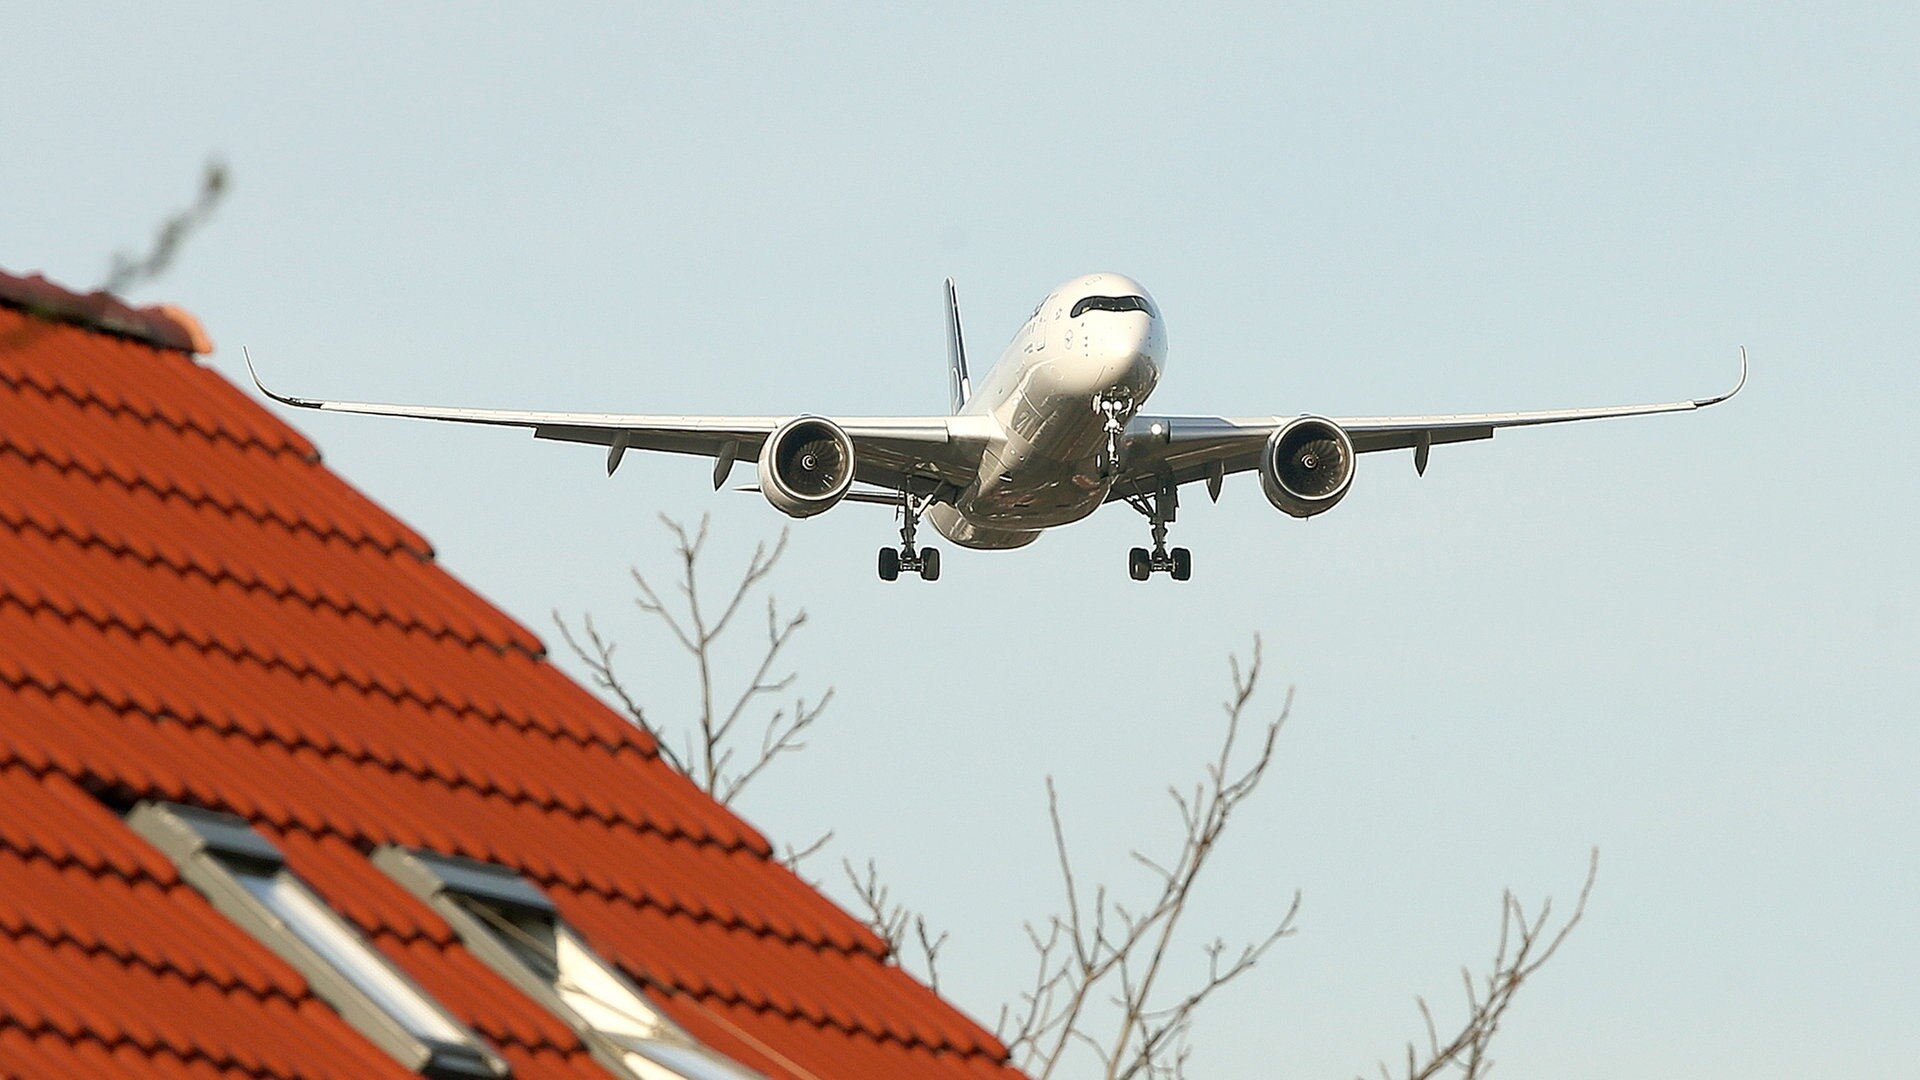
(958, 385)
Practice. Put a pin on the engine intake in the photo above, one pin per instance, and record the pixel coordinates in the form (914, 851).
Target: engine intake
(806, 466)
(1307, 466)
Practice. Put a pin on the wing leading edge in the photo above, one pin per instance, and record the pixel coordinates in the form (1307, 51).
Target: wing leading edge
(1176, 450)
(889, 450)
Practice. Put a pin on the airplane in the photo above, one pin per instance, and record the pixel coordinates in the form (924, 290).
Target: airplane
(1052, 434)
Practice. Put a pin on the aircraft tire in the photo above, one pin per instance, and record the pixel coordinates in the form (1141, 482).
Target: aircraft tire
(889, 564)
(930, 564)
(1182, 564)
(1139, 566)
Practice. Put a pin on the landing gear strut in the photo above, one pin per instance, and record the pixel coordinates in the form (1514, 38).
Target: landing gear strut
(924, 561)
(1114, 409)
(1159, 510)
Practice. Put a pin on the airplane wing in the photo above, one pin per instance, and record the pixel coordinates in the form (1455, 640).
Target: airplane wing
(1175, 450)
(889, 451)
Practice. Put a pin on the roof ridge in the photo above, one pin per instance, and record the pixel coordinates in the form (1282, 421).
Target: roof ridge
(164, 325)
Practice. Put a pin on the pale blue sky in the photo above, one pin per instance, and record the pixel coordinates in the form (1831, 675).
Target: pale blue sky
(1689, 640)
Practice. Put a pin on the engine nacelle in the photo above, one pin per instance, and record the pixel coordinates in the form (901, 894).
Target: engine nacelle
(1307, 466)
(806, 466)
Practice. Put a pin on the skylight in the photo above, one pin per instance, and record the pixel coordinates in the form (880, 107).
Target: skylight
(246, 879)
(511, 925)
(324, 932)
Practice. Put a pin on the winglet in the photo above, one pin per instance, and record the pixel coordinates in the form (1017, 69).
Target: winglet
(294, 401)
(1701, 403)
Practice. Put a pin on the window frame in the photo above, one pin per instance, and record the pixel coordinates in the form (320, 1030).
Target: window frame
(453, 886)
(1087, 303)
(215, 851)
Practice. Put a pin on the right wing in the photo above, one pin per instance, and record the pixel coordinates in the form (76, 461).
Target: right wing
(1174, 450)
(889, 451)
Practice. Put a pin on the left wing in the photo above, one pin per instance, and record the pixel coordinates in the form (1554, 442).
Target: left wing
(889, 451)
(1175, 450)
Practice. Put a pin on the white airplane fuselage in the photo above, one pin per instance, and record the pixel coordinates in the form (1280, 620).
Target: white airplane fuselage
(1048, 433)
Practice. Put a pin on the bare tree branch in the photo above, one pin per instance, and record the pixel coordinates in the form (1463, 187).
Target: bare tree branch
(890, 920)
(1099, 950)
(1099, 956)
(128, 271)
(713, 756)
(1525, 945)
(792, 857)
(597, 655)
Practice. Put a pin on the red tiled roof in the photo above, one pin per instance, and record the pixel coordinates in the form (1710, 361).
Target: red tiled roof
(193, 609)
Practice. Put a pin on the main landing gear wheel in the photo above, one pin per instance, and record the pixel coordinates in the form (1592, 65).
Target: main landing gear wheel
(906, 557)
(1176, 563)
(1142, 563)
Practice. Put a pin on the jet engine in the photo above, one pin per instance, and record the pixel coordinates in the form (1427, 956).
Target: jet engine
(1307, 466)
(806, 466)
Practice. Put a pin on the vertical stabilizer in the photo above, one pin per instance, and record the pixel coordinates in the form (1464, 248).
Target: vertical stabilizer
(958, 385)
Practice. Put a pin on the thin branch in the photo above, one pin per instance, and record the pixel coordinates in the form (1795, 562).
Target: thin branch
(1523, 948)
(125, 271)
(128, 271)
(596, 654)
(890, 920)
(1101, 949)
(707, 749)
(792, 857)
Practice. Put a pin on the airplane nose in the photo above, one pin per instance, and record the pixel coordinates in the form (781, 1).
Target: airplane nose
(1126, 343)
(1124, 334)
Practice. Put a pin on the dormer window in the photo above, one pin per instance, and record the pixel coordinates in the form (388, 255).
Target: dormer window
(247, 880)
(1111, 303)
(509, 923)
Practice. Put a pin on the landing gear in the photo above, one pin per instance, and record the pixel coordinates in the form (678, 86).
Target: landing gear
(1142, 563)
(1115, 409)
(924, 561)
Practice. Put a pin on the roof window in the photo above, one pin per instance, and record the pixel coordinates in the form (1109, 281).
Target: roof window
(1110, 303)
(246, 879)
(508, 923)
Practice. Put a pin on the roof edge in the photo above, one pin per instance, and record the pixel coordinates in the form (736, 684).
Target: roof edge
(162, 325)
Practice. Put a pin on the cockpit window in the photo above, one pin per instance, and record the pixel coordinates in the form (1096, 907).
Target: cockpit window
(1111, 303)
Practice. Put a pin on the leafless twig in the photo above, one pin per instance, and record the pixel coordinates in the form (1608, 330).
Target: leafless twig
(713, 752)
(1100, 949)
(891, 919)
(128, 271)
(1526, 944)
